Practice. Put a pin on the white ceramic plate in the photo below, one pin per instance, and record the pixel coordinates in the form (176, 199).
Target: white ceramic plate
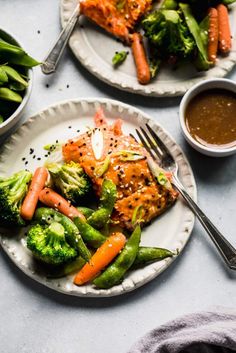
(61, 122)
(94, 49)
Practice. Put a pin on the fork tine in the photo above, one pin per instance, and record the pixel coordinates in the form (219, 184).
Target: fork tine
(145, 144)
(159, 142)
(152, 144)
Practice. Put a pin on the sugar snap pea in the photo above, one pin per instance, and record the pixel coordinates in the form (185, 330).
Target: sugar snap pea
(48, 215)
(3, 76)
(90, 235)
(66, 269)
(147, 255)
(85, 211)
(9, 95)
(116, 271)
(16, 55)
(13, 75)
(108, 197)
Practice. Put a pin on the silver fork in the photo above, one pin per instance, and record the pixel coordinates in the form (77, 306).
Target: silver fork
(159, 152)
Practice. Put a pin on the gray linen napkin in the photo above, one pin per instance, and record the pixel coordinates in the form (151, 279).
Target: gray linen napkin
(202, 332)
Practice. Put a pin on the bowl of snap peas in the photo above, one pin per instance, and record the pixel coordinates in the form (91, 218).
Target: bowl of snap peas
(16, 78)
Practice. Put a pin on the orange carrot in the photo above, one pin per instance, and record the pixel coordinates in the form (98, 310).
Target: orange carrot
(102, 257)
(224, 29)
(37, 184)
(52, 199)
(213, 35)
(140, 58)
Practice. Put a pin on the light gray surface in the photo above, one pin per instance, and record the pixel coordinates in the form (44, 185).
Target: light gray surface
(35, 319)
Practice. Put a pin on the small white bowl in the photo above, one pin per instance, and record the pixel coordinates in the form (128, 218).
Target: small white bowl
(15, 117)
(195, 90)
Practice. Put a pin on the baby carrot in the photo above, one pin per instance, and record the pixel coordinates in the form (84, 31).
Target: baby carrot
(224, 29)
(140, 58)
(213, 34)
(102, 257)
(52, 199)
(37, 184)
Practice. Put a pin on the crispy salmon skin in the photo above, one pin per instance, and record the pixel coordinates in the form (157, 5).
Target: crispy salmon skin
(124, 161)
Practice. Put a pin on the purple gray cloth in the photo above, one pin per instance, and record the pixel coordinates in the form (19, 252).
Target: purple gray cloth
(202, 332)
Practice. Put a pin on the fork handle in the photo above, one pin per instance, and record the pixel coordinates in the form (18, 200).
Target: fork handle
(50, 63)
(227, 251)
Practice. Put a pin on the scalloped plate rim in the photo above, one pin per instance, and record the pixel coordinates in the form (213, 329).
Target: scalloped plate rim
(153, 272)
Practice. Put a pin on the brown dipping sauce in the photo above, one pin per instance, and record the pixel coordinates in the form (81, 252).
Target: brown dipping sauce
(210, 118)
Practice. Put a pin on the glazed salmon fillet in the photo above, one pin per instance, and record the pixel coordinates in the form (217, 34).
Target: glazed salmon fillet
(135, 184)
(117, 17)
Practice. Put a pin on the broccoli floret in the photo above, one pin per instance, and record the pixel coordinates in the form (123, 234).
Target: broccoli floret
(70, 180)
(48, 244)
(168, 32)
(12, 193)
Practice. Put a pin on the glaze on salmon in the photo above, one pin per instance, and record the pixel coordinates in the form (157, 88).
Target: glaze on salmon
(117, 17)
(135, 184)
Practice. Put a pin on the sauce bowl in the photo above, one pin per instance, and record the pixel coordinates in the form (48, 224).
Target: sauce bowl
(224, 84)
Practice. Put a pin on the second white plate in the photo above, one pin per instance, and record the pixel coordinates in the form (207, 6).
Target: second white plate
(94, 48)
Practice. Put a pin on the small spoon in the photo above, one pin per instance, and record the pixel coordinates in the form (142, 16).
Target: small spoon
(50, 63)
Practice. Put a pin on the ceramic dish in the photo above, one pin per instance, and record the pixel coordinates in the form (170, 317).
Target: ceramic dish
(15, 117)
(171, 230)
(195, 90)
(94, 49)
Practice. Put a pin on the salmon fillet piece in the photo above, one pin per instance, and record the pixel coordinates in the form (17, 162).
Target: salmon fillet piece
(117, 17)
(135, 184)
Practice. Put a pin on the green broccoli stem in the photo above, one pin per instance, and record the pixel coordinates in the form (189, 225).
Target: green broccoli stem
(55, 233)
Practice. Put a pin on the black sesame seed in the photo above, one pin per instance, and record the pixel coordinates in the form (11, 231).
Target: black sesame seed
(81, 154)
(31, 150)
(56, 141)
(46, 155)
(38, 158)
(78, 131)
(67, 86)
(47, 192)
(26, 162)
(92, 168)
(38, 31)
(34, 156)
(47, 85)
(69, 127)
(101, 121)
(23, 159)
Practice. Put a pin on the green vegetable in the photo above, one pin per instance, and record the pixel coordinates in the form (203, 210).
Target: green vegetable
(120, 4)
(15, 55)
(70, 180)
(12, 192)
(147, 255)
(48, 244)
(90, 235)
(45, 215)
(3, 76)
(66, 269)
(115, 272)
(154, 67)
(102, 168)
(169, 34)
(169, 5)
(119, 58)
(129, 156)
(1, 119)
(137, 215)
(13, 75)
(8, 95)
(87, 212)
(202, 62)
(101, 217)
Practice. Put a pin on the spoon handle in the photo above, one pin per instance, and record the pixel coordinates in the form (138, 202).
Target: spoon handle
(50, 63)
